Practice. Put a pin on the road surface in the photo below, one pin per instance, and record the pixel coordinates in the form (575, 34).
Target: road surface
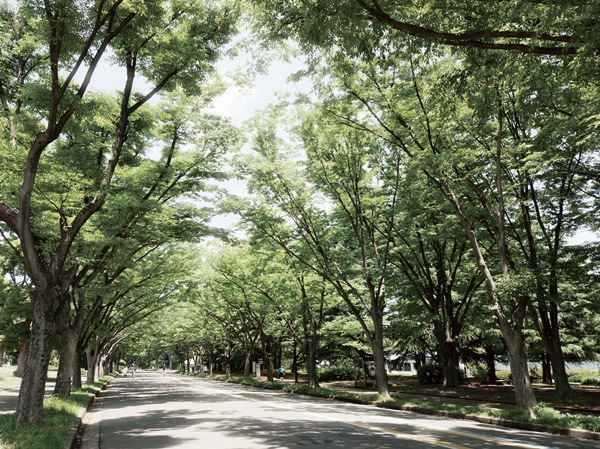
(152, 411)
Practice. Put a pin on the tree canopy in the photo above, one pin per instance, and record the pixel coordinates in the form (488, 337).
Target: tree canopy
(422, 203)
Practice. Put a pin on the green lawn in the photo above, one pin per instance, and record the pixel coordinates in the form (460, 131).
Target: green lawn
(59, 415)
(8, 378)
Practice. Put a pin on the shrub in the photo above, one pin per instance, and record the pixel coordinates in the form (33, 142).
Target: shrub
(504, 374)
(575, 378)
(433, 374)
(336, 372)
(591, 380)
(580, 372)
(430, 374)
(546, 414)
(535, 374)
(479, 370)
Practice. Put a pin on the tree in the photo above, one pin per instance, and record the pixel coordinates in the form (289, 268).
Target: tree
(148, 210)
(344, 31)
(430, 253)
(167, 43)
(349, 248)
(526, 27)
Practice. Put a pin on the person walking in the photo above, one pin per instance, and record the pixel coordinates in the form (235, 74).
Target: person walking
(164, 369)
(281, 373)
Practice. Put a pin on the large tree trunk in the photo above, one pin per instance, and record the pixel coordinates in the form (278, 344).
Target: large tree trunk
(311, 363)
(491, 364)
(511, 331)
(77, 369)
(559, 373)
(548, 329)
(267, 356)
(228, 360)
(91, 355)
(449, 362)
(311, 328)
(524, 394)
(380, 365)
(248, 362)
(33, 385)
(546, 369)
(448, 354)
(100, 366)
(22, 357)
(68, 346)
(295, 361)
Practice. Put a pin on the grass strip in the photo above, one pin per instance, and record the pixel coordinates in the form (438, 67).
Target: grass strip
(58, 417)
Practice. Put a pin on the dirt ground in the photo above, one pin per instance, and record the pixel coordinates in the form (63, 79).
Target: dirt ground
(585, 398)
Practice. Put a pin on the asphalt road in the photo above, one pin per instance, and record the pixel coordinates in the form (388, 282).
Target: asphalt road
(152, 411)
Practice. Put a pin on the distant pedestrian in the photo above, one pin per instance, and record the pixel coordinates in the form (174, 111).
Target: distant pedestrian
(164, 369)
(125, 371)
(281, 373)
(133, 370)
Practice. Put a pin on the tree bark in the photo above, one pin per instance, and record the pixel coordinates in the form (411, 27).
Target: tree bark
(228, 360)
(248, 362)
(448, 355)
(76, 385)
(562, 386)
(524, 394)
(311, 363)
(548, 330)
(381, 376)
(91, 354)
(491, 364)
(68, 347)
(22, 357)
(33, 385)
(449, 362)
(295, 361)
(100, 363)
(546, 370)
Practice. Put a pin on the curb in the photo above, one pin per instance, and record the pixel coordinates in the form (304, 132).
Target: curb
(76, 426)
(501, 422)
